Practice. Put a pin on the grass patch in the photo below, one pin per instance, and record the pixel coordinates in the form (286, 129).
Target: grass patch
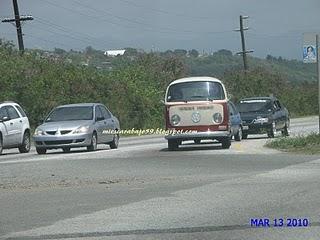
(309, 144)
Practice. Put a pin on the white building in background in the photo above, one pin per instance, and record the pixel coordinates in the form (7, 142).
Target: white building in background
(114, 53)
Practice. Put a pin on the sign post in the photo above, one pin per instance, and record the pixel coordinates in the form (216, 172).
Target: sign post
(311, 54)
(318, 72)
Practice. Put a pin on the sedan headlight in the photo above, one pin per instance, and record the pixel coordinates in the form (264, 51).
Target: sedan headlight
(39, 132)
(175, 120)
(82, 129)
(217, 118)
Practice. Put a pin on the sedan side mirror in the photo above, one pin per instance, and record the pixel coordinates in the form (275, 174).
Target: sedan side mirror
(5, 118)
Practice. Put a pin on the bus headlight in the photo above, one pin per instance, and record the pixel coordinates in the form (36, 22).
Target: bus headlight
(217, 118)
(175, 119)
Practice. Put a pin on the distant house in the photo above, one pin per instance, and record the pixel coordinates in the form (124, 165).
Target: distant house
(114, 53)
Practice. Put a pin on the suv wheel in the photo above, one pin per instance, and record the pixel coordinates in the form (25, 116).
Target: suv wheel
(25, 146)
(115, 142)
(41, 150)
(238, 136)
(226, 143)
(173, 144)
(93, 145)
(1, 144)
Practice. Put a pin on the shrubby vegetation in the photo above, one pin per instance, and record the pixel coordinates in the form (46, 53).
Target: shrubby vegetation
(132, 85)
(303, 144)
(132, 92)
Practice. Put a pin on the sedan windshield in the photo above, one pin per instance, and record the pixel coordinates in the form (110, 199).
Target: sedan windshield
(195, 91)
(255, 106)
(70, 114)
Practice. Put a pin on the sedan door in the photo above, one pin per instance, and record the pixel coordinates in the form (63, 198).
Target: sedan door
(283, 115)
(110, 124)
(277, 116)
(100, 125)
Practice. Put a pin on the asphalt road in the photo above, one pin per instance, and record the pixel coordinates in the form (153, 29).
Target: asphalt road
(143, 191)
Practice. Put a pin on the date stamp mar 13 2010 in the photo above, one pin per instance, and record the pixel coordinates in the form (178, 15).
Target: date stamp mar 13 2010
(279, 222)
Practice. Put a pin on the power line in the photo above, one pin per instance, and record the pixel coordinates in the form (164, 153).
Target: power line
(104, 12)
(86, 37)
(91, 17)
(61, 34)
(151, 28)
(47, 40)
(165, 12)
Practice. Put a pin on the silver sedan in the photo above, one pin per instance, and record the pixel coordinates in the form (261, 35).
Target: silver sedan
(77, 125)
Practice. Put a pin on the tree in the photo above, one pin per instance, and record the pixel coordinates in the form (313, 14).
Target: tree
(59, 51)
(180, 52)
(225, 52)
(194, 53)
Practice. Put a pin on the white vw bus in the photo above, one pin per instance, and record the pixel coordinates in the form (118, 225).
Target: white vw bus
(195, 109)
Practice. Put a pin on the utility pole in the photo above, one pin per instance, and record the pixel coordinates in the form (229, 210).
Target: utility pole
(244, 51)
(18, 19)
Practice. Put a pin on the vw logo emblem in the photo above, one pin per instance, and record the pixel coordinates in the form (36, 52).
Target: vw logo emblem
(195, 117)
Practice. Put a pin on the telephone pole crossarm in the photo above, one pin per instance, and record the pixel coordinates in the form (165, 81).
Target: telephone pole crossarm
(17, 20)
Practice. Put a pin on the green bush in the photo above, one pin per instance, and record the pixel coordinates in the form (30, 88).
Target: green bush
(306, 144)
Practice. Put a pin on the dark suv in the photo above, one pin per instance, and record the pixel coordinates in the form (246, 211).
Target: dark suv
(263, 115)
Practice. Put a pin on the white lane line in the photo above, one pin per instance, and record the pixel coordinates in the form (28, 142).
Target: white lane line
(106, 153)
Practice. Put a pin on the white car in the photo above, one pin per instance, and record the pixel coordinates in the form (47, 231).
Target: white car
(14, 127)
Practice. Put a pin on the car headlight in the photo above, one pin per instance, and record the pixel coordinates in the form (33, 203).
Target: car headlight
(175, 119)
(217, 118)
(261, 120)
(38, 132)
(82, 129)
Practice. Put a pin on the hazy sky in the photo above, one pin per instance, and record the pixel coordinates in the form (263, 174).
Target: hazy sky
(276, 26)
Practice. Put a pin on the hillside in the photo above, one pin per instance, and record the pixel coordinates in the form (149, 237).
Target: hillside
(215, 64)
(220, 62)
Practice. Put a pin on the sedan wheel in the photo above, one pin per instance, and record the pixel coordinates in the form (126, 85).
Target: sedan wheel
(226, 143)
(25, 146)
(93, 145)
(41, 150)
(272, 131)
(285, 131)
(115, 142)
(1, 145)
(66, 149)
(244, 135)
